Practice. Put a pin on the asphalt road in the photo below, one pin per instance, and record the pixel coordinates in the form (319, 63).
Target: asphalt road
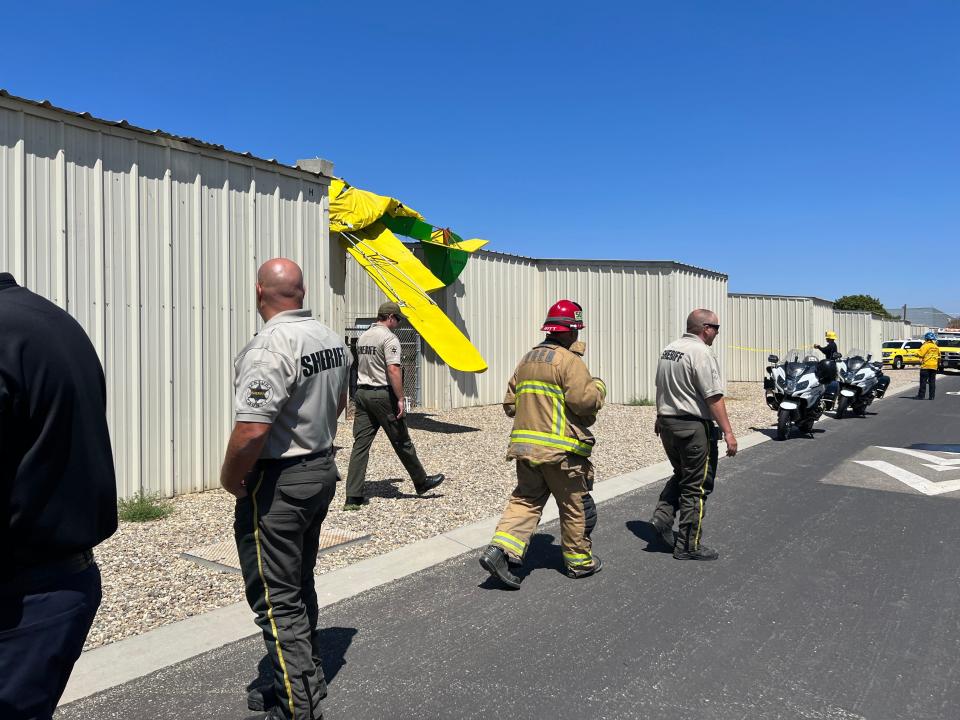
(835, 597)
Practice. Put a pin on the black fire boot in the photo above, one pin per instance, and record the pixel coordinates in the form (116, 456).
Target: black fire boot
(261, 697)
(430, 483)
(494, 561)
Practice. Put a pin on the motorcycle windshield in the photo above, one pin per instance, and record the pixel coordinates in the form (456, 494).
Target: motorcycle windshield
(856, 359)
(796, 363)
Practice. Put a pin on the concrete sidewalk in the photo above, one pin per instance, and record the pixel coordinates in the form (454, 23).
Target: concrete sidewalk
(111, 665)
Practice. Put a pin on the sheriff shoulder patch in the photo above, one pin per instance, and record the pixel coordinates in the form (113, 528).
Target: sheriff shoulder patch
(259, 393)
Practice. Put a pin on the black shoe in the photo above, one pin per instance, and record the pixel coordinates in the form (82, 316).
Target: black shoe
(430, 483)
(582, 572)
(701, 553)
(664, 534)
(261, 698)
(355, 503)
(277, 714)
(494, 561)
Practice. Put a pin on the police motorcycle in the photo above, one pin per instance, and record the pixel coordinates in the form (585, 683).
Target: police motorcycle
(797, 390)
(861, 382)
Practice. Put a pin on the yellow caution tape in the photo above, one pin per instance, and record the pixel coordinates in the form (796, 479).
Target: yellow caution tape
(766, 350)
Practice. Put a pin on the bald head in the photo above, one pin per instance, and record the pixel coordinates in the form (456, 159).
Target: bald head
(699, 323)
(279, 287)
(698, 317)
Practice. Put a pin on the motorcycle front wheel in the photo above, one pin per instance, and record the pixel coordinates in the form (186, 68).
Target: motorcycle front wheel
(783, 422)
(842, 404)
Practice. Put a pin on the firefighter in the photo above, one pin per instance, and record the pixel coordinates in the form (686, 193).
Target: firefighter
(830, 349)
(552, 399)
(929, 354)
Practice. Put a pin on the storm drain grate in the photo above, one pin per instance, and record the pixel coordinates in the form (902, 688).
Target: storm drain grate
(222, 556)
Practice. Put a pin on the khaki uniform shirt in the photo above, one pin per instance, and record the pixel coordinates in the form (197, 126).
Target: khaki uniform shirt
(376, 348)
(687, 374)
(292, 375)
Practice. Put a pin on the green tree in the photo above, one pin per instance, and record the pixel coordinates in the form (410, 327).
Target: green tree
(861, 302)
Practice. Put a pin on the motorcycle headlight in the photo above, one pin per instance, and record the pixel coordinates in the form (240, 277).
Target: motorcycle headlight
(859, 376)
(803, 385)
(780, 381)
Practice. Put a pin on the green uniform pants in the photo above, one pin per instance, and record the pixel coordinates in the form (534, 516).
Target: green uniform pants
(570, 482)
(277, 529)
(691, 446)
(377, 409)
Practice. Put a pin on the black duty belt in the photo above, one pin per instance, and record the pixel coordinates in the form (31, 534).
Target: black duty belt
(285, 462)
(373, 387)
(42, 573)
(690, 418)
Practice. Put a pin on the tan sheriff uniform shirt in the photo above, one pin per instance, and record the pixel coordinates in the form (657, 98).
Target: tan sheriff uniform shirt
(376, 348)
(687, 374)
(292, 375)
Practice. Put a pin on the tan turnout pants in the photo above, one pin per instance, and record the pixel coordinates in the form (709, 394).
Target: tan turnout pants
(570, 482)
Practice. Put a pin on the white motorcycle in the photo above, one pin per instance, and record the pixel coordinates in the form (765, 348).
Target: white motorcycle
(795, 389)
(861, 381)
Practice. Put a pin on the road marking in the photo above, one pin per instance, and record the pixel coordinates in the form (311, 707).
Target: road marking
(918, 483)
(923, 456)
(941, 468)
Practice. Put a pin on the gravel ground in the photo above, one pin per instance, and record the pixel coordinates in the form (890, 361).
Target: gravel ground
(146, 584)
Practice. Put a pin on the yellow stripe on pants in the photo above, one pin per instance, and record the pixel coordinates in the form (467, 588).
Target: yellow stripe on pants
(266, 597)
(706, 469)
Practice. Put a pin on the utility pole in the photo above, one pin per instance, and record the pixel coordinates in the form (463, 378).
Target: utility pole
(903, 317)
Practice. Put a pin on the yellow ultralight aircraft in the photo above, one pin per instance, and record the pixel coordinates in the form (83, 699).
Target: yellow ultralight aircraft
(365, 223)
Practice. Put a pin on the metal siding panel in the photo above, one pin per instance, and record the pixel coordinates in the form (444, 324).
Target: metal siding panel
(44, 247)
(243, 257)
(215, 318)
(12, 240)
(266, 202)
(156, 370)
(186, 327)
(121, 299)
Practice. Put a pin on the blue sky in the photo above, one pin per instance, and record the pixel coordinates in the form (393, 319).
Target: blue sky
(802, 147)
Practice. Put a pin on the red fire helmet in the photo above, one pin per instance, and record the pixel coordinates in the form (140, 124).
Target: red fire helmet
(563, 316)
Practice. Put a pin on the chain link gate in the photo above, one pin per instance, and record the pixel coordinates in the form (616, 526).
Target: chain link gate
(409, 356)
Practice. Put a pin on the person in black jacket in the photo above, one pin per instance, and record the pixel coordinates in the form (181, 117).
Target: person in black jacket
(58, 497)
(830, 349)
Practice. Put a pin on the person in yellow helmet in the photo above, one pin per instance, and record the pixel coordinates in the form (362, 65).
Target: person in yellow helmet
(830, 349)
(929, 354)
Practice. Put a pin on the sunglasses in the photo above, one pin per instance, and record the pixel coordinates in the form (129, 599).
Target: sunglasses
(713, 325)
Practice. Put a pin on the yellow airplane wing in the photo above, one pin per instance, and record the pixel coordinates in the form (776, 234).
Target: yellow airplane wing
(405, 280)
(441, 334)
(381, 254)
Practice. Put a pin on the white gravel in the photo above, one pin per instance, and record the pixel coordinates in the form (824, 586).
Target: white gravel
(146, 584)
